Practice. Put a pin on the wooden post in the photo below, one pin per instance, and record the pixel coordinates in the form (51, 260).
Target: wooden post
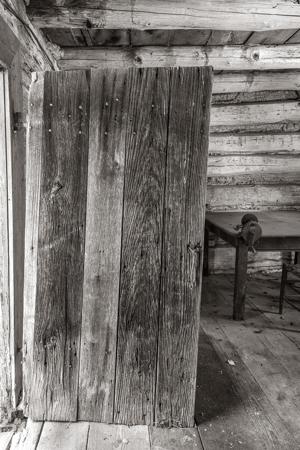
(282, 287)
(206, 253)
(240, 280)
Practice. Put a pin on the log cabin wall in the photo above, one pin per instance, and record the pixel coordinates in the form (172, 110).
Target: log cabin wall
(254, 160)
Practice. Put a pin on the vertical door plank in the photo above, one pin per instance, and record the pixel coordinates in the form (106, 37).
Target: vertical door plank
(60, 246)
(183, 241)
(141, 246)
(33, 177)
(109, 103)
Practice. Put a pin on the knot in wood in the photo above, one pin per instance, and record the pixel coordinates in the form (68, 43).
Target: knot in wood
(194, 248)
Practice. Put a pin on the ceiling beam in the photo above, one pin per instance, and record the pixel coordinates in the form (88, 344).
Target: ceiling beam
(230, 58)
(9, 44)
(252, 15)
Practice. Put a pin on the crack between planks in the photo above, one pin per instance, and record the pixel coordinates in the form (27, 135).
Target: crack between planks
(189, 12)
(126, 102)
(39, 437)
(87, 436)
(162, 245)
(200, 438)
(78, 351)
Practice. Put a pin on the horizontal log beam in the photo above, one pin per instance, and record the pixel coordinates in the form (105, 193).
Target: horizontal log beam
(260, 197)
(255, 178)
(230, 58)
(252, 15)
(280, 143)
(255, 113)
(256, 81)
(247, 164)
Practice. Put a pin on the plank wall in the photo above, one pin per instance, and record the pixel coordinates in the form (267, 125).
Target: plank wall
(254, 163)
(29, 57)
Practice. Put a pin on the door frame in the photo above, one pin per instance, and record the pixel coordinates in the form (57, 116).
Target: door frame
(12, 187)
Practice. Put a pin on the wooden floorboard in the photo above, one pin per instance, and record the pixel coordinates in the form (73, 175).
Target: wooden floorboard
(64, 436)
(221, 414)
(264, 374)
(175, 439)
(263, 293)
(5, 439)
(248, 389)
(266, 354)
(28, 438)
(118, 437)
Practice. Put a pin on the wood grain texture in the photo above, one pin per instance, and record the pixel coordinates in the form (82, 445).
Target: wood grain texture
(221, 37)
(185, 194)
(28, 438)
(270, 356)
(222, 419)
(146, 142)
(169, 37)
(259, 128)
(255, 178)
(270, 37)
(222, 260)
(247, 114)
(60, 254)
(255, 81)
(167, 14)
(267, 303)
(295, 39)
(246, 344)
(175, 439)
(249, 164)
(6, 256)
(118, 437)
(66, 436)
(228, 57)
(34, 57)
(234, 98)
(9, 44)
(5, 439)
(264, 428)
(243, 144)
(108, 113)
(219, 198)
(18, 168)
(35, 138)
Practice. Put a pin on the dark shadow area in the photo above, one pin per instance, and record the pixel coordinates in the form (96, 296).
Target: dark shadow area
(215, 394)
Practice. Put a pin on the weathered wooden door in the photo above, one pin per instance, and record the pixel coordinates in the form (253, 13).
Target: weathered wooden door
(115, 215)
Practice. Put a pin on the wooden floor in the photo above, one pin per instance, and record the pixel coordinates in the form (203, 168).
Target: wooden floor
(248, 388)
